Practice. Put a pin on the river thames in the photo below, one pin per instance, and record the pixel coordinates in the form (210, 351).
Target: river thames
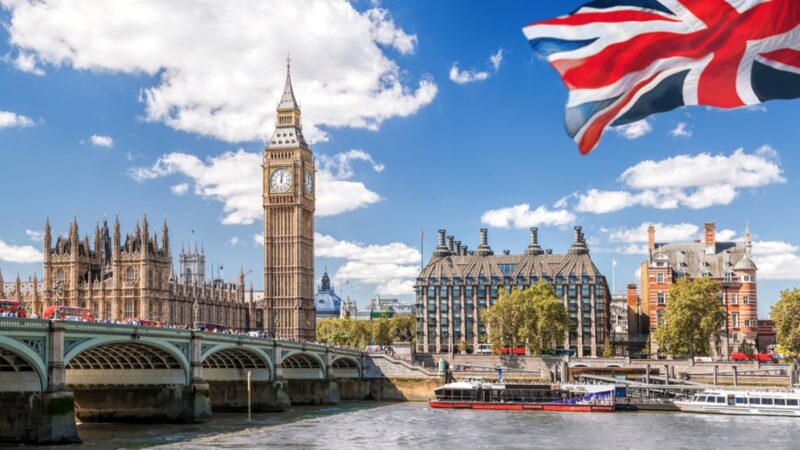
(414, 425)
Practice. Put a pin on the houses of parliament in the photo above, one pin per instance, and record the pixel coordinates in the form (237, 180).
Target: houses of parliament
(127, 276)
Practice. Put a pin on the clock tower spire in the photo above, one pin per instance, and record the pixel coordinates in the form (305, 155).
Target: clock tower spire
(289, 203)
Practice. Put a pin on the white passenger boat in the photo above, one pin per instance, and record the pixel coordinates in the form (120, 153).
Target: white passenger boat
(744, 402)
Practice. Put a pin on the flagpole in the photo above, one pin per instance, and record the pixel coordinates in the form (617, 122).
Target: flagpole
(613, 277)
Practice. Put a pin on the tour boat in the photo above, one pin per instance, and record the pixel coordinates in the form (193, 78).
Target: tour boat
(744, 402)
(475, 394)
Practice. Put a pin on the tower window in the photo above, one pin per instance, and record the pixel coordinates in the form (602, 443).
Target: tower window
(130, 275)
(61, 276)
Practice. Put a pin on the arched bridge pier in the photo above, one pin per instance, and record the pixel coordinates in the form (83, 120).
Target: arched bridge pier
(119, 373)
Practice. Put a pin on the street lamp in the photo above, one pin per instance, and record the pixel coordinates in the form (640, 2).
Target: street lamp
(727, 334)
(195, 313)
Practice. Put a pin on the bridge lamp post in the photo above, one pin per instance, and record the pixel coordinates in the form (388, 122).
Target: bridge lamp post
(195, 313)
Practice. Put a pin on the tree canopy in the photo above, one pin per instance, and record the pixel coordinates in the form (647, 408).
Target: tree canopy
(358, 334)
(693, 319)
(785, 314)
(534, 317)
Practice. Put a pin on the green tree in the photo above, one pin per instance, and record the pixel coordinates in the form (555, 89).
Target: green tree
(381, 334)
(785, 314)
(535, 317)
(693, 319)
(608, 348)
(747, 348)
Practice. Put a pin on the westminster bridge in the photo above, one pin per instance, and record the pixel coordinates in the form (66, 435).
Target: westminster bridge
(53, 371)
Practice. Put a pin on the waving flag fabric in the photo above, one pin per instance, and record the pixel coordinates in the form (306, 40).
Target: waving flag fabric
(623, 60)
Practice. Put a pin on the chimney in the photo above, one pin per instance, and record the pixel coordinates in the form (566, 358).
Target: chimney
(506, 252)
(483, 248)
(710, 238)
(533, 247)
(450, 244)
(651, 238)
(441, 250)
(578, 245)
(458, 248)
(465, 250)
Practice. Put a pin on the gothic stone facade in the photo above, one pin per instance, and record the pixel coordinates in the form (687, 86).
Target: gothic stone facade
(729, 263)
(119, 278)
(457, 285)
(289, 202)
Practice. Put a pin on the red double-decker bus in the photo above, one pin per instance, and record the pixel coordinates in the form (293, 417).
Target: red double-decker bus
(70, 313)
(13, 307)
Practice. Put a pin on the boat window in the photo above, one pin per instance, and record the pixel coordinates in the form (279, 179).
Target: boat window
(720, 399)
(780, 401)
(791, 402)
(701, 398)
(741, 401)
(711, 399)
(755, 401)
(766, 401)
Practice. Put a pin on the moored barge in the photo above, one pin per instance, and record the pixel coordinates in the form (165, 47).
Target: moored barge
(476, 394)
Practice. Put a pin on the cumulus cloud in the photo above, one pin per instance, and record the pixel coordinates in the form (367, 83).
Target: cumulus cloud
(634, 130)
(459, 76)
(227, 87)
(234, 241)
(680, 232)
(234, 179)
(521, 216)
(681, 130)
(101, 141)
(24, 62)
(776, 260)
(9, 119)
(692, 181)
(21, 254)
(391, 268)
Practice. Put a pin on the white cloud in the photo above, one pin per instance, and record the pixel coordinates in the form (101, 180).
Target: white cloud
(391, 268)
(101, 141)
(35, 236)
(776, 260)
(634, 130)
(21, 254)
(691, 181)
(234, 179)
(726, 235)
(234, 241)
(681, 130)
(459, 76)
(179, 189)
(24, 62)
(258, 239)
(680, 232)
(9, 119)
(227, 87)
(521, 216)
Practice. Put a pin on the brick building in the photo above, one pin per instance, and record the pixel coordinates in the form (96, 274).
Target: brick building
(457, 285)
(729, 263)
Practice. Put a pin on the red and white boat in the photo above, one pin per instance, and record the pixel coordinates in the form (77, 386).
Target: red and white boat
(475, 394)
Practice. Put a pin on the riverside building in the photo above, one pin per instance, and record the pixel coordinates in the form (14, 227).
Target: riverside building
(729, 263)
(458, 284)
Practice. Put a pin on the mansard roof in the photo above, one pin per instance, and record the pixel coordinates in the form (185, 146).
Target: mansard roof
(692, 259)
(476, 266)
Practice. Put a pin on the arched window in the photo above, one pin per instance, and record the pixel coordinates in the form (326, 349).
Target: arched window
(61, 276)
(130, 275)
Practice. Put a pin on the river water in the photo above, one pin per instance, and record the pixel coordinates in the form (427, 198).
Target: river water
(415, 426)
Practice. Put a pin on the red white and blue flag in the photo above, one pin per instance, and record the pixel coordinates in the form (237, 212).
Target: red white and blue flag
(623, 60)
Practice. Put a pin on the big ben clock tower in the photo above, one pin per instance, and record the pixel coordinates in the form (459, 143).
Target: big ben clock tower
(289, 201)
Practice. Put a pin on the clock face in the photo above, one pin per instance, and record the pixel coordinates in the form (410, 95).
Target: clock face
(280, 180)
(309, 182)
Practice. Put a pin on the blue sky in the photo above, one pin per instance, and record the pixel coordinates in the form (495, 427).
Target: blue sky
(179, 105)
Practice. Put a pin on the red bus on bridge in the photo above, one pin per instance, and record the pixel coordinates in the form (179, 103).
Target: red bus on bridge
(70, 313)
(13, 307)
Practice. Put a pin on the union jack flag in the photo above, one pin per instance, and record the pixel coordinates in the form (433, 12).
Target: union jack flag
(623, 60)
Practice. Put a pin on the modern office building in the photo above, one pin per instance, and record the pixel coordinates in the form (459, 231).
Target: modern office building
(457, 286)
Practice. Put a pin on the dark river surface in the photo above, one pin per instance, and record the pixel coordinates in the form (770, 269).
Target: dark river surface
(414, 425)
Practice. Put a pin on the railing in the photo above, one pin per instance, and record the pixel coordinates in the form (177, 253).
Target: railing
(15, 322)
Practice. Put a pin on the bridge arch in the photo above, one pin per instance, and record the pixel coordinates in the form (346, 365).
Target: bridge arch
(21, 368)
(345, 367)
(232, 362)
(123, 361)
(301, 365)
